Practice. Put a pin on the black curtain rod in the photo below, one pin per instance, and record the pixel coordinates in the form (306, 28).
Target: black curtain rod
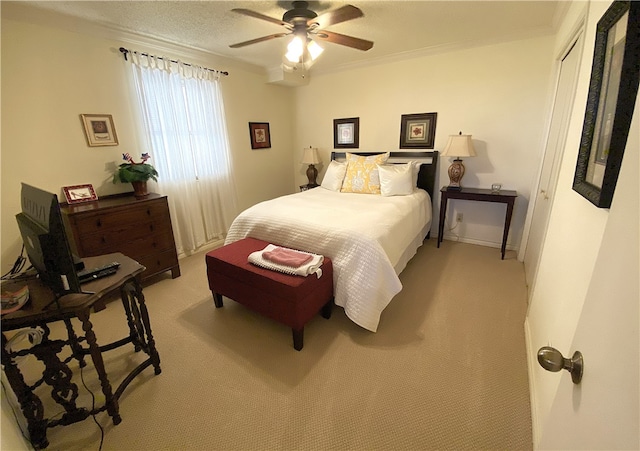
(125, 51)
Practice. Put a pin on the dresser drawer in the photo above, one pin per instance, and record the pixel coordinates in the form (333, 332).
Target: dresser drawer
(121, 218)
(160, 262)
(98, 244)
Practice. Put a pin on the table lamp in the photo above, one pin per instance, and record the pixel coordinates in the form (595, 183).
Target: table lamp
(310, 157)
(458, 146)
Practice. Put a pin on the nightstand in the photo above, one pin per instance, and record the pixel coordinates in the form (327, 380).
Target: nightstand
(307, 187)
(484, 195)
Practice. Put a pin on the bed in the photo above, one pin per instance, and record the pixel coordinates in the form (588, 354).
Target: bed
(369, 237)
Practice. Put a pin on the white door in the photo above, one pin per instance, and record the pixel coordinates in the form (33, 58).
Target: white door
(560, 116)
(603, 412)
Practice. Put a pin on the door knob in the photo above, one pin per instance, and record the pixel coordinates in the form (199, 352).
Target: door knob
(552, 360)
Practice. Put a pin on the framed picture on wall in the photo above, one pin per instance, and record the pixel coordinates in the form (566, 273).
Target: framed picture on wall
(346, 133)
(99, 130)
(610, 103)
(260, 136)
(418, 131)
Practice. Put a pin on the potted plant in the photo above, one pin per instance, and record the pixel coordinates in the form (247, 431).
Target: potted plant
(136, 173)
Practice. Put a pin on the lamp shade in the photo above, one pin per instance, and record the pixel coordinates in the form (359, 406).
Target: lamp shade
(310, 156)
(459, 146)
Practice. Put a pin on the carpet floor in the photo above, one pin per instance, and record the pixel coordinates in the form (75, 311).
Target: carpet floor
(447, 368)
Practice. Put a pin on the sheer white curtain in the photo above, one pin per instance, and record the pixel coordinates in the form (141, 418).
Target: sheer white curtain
(185, 127)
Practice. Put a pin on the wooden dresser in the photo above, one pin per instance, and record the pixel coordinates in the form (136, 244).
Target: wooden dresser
(139, 228)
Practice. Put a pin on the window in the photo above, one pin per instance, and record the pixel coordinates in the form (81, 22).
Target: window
(185, 128)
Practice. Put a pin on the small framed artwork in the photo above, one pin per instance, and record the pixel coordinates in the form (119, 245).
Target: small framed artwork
(346, 133)
(260, 136)
(418, 131)
(79, 193)
(99, 130)
(610, 103)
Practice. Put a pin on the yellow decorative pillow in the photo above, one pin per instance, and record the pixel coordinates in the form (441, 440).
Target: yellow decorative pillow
(362, 173)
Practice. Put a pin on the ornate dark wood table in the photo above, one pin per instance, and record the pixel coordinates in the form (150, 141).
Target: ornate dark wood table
(42, 310)
(478, 194)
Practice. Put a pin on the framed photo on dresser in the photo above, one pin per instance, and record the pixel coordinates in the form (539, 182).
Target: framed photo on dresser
(79, 193)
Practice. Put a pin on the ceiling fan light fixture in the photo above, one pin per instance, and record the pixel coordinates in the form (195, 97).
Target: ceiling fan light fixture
(298, 53)
(304, 23)
(314, 49)
(295, 49)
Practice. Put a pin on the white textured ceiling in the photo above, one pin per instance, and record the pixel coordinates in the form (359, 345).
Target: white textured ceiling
(397, 28)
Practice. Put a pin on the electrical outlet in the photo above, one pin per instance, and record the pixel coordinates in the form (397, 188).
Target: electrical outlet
(459, 217)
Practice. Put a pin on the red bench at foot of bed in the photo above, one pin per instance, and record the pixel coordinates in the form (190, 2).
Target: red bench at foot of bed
(290, 300)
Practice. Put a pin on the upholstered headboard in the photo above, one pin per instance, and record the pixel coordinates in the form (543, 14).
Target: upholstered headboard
(428, 168)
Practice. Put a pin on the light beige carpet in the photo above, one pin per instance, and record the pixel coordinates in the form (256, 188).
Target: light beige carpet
(446, 369)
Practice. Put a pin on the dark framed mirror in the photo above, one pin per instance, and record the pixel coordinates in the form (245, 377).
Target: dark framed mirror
(612, 94)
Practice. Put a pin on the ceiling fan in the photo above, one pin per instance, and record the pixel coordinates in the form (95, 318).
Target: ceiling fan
(303, 22)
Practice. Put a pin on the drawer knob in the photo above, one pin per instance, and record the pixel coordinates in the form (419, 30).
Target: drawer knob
(98, 223)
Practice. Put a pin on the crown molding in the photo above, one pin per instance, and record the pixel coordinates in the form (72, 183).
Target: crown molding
(435, 50)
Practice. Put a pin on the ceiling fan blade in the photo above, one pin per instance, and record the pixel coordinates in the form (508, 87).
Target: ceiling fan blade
(349, 41)
(255, 41)
(343, 14)
(248, 12)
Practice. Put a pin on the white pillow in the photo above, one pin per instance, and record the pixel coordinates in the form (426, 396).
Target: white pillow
(416, 170)
(334, 176)
(396, 179)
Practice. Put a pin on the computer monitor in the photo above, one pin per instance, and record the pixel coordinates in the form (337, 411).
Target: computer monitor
(45, 240)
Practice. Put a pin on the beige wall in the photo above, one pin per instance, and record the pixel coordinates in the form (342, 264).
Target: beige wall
(497, 93)
(50, 76)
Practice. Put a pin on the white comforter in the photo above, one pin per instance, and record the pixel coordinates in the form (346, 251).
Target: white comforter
(368, 237)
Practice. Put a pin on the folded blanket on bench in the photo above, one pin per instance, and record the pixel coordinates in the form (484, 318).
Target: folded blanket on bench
(296, 266)
(287, 257)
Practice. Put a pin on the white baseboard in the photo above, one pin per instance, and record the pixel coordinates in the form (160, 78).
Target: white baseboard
(204, 248)
(477, 242)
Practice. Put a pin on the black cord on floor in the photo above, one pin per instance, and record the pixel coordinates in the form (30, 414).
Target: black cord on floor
(26, 436)
(93, 406)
